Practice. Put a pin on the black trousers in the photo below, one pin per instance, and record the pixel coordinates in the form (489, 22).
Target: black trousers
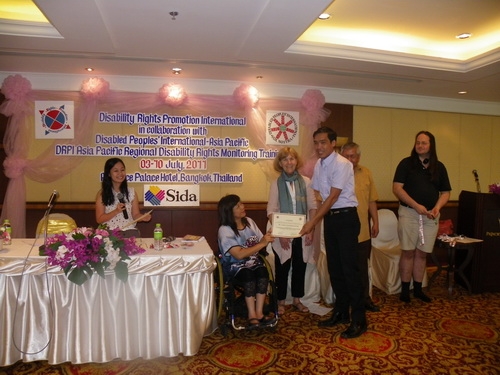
(365, 249)
(298, 272)
(341, 232)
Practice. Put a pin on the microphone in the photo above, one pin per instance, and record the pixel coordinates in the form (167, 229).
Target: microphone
(476, 178)
(53, 198)
(122, 200)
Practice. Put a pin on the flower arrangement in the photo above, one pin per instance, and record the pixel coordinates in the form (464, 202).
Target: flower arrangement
(84, 251)
(495, 188)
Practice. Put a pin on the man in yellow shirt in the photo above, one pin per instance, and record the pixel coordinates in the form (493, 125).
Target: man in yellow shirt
(367, 208)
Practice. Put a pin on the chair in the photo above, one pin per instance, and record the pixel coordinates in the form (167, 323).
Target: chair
(57, 223)
(385, 255)
(230, 300)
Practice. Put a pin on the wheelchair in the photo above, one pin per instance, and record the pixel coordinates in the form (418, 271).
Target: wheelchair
(230, 301)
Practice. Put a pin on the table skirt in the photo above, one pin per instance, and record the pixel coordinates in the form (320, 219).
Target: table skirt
(165, 312)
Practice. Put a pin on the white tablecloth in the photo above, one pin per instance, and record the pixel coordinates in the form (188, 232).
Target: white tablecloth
(164, 309)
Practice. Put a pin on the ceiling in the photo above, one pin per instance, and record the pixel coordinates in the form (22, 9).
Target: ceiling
(393, 46)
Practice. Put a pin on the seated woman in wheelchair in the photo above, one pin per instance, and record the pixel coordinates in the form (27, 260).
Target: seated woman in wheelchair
(240, 241)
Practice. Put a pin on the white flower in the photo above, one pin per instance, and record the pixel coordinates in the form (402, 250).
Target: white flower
(61, 251)
(113, 255)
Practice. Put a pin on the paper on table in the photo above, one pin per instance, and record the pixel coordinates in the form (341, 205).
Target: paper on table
(192, 238)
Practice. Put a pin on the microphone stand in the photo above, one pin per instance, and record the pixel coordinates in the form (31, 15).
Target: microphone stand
(46, 224)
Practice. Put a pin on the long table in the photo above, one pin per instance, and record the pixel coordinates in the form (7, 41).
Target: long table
(164, 309)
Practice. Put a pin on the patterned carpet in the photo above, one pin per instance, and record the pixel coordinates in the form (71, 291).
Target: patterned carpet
(448, 336)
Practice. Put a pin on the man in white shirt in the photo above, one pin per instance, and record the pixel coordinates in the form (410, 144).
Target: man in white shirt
(333, 180)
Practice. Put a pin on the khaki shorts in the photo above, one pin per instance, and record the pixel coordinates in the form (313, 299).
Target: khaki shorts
(410, 231)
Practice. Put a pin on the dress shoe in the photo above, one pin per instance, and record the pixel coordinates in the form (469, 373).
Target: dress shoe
(422, 296)
(356, 329)
(336, 318)
(370, 306)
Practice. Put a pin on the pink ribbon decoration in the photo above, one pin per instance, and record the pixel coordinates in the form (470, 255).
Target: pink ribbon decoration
(14, 167)
(246, 96)
(94, 88)
(173, 94)
(17, 90)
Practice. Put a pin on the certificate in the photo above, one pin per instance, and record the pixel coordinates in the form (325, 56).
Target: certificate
(287, 225)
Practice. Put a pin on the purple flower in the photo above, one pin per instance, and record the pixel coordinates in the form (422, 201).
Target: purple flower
(96, 250)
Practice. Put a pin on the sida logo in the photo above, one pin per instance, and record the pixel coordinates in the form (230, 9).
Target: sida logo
(282, 128)
(171, 195)
(180, 196)
(154, 195)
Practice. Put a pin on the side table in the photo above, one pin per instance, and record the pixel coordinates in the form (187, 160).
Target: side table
(452, 244)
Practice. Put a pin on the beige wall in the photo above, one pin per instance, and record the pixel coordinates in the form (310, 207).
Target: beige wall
(464, 143)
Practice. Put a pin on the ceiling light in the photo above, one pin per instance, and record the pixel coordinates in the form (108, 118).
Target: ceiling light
(89, 69)
(174, 14)
(176, 70)
(462, 92)
(324, 16)
(463, 36)
(259, 77)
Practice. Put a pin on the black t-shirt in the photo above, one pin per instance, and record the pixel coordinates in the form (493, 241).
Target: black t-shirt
(417, 182)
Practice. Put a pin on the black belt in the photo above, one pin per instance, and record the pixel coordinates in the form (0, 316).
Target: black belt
(404, 204)
(335, 211)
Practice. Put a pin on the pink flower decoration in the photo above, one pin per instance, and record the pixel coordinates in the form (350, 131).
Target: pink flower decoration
(246, 96)
(14, 167)
(94, 88)
(494, 188)
(16, 88)
(173, 94)
(312, 100)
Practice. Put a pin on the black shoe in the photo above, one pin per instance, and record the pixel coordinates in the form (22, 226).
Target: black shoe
(405, 297)
(370, 306)
(356, 329)
(421, 296)
(336, 318)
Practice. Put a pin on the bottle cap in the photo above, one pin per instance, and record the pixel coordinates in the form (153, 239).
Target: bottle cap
(158, 225)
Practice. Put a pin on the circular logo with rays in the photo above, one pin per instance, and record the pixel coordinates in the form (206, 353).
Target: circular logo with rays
(282, 127)
(54, 119)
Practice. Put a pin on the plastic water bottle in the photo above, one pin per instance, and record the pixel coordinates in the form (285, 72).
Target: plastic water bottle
(157, 237)
(7, 239)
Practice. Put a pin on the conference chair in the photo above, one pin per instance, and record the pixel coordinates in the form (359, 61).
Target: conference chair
(385, 255)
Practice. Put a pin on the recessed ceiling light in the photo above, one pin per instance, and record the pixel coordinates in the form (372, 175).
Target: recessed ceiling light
(463, 36)
(89, 69)
(176, 70)
(259, 77)
(462, 92)
(324, 16)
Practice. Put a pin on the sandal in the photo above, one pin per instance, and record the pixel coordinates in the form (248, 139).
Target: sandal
(281, 308)
(301, 308)
(254, 323)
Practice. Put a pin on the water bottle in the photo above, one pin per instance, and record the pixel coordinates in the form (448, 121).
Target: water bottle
(7, 235)
(157, 237)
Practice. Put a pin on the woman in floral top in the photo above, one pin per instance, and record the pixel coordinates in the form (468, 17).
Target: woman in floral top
(240, 241)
